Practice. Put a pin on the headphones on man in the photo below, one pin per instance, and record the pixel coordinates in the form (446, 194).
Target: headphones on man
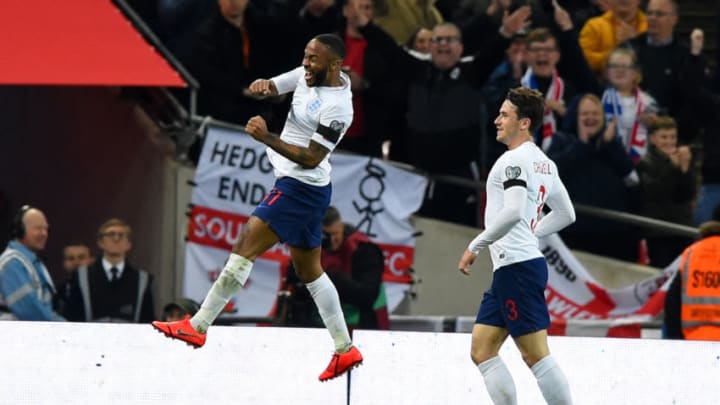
(17, 227)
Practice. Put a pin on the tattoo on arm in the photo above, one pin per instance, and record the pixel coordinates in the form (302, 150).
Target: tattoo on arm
(308, 157)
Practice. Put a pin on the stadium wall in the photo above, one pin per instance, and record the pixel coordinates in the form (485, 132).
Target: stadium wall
(75, 363)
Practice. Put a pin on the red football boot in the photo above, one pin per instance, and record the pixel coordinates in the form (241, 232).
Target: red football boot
(182, 330)
(342, 362)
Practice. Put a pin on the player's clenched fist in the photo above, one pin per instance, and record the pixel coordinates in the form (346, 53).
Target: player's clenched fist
(263, 87)
(257, 128)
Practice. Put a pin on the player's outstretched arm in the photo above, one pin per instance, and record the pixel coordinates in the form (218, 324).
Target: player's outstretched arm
(277, 85)
(263, 88)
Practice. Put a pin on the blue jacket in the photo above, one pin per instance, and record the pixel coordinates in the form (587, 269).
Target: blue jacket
(26, 288)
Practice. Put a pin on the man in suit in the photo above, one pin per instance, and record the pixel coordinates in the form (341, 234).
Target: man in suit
(111, 289)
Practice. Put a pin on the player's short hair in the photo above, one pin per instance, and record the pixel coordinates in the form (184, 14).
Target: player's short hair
(662, 122)
(529, 104)
(334, 43)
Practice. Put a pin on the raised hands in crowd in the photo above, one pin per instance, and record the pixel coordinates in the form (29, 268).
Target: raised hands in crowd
(516, 21)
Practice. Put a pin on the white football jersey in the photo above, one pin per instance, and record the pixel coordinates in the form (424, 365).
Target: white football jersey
(321, 113)
(525, 166)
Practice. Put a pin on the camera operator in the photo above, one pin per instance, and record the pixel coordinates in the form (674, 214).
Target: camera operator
(355, 265)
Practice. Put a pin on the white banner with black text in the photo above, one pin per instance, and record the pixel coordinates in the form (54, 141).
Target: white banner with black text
(580, 306)
(233, 176)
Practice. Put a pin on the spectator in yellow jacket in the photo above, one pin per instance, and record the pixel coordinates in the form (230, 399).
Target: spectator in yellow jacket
(603, 33)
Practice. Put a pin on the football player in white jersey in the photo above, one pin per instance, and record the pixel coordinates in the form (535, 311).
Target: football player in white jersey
(292, 212)
(519, 185)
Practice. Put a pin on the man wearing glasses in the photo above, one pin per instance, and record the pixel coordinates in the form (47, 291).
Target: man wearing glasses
(558, 78)
(111, 289)
(442, 127)
(669, 66)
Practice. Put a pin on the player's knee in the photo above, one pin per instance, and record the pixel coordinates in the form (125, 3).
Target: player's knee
(476, 358)
(531, 358)
(308, 274)
(480, 355)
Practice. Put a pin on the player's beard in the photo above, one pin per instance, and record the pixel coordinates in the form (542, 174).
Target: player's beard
(319, 78)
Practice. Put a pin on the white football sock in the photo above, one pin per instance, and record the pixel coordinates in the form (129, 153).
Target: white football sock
(231, 280)
(327, 300)
(498, 381)
(552, 381)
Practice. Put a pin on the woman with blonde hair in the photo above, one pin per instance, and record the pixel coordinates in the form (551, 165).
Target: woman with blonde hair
(597, 171)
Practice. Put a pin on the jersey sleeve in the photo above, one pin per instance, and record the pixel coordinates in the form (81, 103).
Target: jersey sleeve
(332, 125)
(513, 176)
(287, 82)
(513, 173)
(514, 200)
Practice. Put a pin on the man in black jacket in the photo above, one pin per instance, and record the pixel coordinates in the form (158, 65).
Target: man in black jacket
(668, 65)
(111, 289)
(237, 43)
(443, 125)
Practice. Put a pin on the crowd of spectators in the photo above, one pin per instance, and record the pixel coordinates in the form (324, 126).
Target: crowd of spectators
(428, 78)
